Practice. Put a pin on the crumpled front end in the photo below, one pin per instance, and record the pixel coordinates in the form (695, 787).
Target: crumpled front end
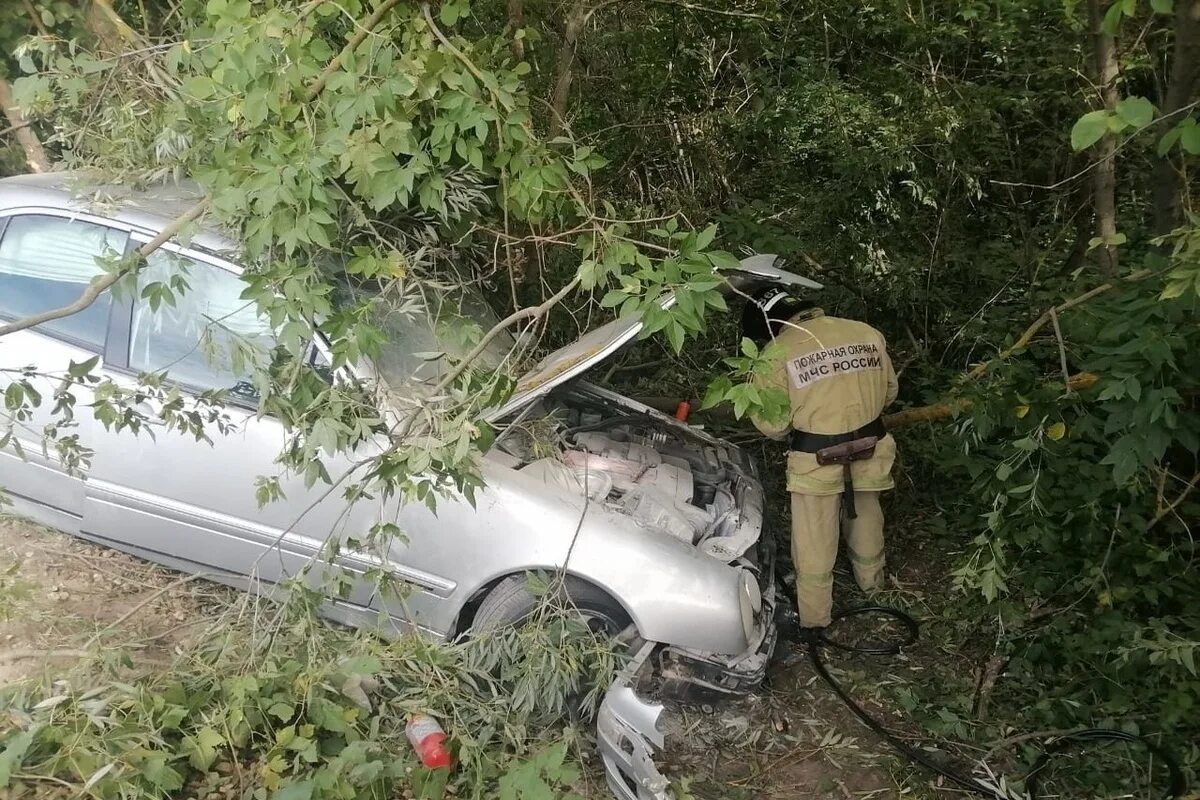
(628, 734)
(628, 726)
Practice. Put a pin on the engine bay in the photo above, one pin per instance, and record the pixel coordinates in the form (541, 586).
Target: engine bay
(667, 477)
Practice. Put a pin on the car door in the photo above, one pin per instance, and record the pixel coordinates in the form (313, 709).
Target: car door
(192, 504)
(47, 259)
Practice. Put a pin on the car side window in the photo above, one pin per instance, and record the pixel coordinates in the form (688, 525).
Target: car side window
(46, 263)
(190, 320)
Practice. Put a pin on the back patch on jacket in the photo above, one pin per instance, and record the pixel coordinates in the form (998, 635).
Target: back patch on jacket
(831, 362)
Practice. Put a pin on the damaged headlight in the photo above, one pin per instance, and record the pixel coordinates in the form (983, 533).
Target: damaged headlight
(749, 602)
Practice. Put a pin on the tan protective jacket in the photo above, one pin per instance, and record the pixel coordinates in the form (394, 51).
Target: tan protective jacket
(839, 378)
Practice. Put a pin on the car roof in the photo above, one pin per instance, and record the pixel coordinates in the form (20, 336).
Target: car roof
(149, 209)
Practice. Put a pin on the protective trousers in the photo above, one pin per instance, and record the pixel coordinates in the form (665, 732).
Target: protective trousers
(816, 520)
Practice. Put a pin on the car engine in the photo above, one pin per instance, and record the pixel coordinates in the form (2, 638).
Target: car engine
(660, 473)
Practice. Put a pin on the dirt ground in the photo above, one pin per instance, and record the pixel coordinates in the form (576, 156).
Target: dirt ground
(60, 596)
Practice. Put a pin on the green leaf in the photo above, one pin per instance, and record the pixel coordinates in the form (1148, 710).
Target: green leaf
(721, 259)
(199, 87)
(78, 369)
(202, 748)
(705, 237)
(1168, 140)
(14, 396)
(1137, 111)
(452, 12)
(294, 791)
(1089, 129)
(282, 711)
(613, 299)
(716, 392)
(1189, 138)
(1112, 19)
(675, 335)
(13, 753)
(1163, 6)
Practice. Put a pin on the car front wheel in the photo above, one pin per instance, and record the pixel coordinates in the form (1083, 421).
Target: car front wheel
(512, 601)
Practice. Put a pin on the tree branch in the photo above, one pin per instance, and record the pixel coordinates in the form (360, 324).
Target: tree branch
(710, 10)
(1041, 322)
(35, 156)
(36, 18)
(1181, 89)
(1104, 179)
(530, 313)
(446, 43)
(97, 287)
(940, 411)
(1062, 349)
(516, 21)
(1170, 508)
(564, 62)
(13, 128)
(360, 34)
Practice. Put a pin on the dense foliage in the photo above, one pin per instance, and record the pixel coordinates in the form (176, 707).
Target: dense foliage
(935, 165)
(951, 170)
(296, 710)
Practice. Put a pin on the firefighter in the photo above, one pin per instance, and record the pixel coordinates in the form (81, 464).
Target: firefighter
(838, 378)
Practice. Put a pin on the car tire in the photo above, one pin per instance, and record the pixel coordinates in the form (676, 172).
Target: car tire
(511, 601)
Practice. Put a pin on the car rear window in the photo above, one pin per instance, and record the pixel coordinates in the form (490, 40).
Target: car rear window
(46, 262)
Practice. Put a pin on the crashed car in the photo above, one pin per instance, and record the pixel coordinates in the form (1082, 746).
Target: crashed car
(662, 523)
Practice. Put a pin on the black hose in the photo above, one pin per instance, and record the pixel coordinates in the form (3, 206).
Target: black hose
(605, 423)
(961, 780)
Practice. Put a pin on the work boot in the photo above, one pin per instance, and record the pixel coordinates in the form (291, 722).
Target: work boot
(791, 630)
(812, 635)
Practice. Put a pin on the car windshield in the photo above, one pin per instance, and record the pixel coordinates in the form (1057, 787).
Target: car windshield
(421, 330)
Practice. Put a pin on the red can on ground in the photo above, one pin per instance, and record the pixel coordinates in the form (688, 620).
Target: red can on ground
(429, 741)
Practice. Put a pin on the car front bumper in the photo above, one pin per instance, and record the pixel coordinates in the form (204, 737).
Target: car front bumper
(627, 725)
(628, 734)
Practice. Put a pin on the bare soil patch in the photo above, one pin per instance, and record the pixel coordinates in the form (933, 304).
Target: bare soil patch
(60, 596)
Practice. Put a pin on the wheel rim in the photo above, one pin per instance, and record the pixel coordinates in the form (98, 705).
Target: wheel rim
(600, 621)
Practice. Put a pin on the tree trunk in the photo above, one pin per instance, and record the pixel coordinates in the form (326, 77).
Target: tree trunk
(1180, 91)
(516, 21)
(564, 66)
(1104, 176)
(35, 156)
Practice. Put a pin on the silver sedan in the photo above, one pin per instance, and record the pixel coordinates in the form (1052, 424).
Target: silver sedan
(656, 523)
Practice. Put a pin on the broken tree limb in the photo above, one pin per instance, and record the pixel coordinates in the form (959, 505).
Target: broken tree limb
(35, 156)
(100, 285)
(942, 411)
(1025, 338)
(935, 412)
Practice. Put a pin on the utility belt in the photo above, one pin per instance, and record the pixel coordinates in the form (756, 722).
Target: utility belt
(843, 449)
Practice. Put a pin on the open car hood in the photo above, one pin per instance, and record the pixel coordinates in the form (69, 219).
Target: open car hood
(599, 344)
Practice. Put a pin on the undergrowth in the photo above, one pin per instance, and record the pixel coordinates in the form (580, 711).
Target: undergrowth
(272, 704)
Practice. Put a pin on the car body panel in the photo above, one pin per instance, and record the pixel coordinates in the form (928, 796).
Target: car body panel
(192, 505)
(602, 343)
(518, 523)
(36, 475)
(171, 497)
(147, 210)
(628, 734)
